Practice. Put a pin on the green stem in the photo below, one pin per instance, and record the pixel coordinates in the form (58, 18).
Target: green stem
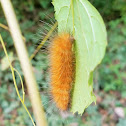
(25, 63)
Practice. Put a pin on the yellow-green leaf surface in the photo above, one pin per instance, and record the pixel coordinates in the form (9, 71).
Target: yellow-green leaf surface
(82, 20)
(5, 63)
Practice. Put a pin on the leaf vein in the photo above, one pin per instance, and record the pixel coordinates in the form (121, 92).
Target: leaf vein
(89, 20)
(81, 28)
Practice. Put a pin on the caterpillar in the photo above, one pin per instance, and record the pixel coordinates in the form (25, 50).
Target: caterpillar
(61, 69)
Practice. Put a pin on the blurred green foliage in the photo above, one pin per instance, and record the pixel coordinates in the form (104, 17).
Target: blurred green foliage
(109, 77)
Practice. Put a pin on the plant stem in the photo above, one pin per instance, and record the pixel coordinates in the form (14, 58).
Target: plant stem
(25, 63)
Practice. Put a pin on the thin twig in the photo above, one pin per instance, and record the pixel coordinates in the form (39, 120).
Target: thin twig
(6, 28)
(25, 63)
(43, 41)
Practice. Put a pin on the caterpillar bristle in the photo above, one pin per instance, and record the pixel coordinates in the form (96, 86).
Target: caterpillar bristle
(61, 69)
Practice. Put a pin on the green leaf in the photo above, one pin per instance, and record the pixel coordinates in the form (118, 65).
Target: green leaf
(84, 22)
(5, 63)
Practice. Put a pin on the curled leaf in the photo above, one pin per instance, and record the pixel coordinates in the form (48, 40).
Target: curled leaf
(81, 19)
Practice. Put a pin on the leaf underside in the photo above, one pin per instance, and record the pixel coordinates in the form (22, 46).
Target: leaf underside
(84, 22)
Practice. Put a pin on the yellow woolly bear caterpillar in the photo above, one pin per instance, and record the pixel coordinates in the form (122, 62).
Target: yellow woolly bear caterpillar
(61, 67)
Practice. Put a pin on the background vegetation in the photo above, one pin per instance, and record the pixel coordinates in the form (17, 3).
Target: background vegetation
(109, 77)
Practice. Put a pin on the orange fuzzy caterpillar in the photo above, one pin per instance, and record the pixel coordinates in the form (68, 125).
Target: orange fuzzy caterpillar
(61, 69)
